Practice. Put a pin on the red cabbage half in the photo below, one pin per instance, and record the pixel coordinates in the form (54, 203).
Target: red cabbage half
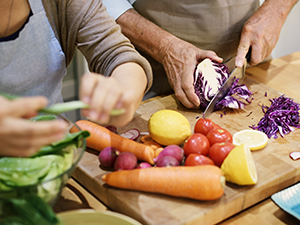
(209, 78)
(281, 116)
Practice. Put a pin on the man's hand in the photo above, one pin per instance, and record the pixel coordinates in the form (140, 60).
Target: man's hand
(261, 31)
(179, 59)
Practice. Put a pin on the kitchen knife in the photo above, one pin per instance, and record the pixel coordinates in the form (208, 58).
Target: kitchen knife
(237, 73)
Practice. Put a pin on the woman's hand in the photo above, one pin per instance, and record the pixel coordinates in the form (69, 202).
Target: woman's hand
(21, 137)
(124, 89)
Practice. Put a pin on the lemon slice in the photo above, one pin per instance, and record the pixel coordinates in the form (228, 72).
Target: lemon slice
(169, 127)
(238, 167)
(254, 139)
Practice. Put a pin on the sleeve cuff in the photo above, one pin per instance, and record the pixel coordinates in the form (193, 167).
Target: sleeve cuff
(116, 8)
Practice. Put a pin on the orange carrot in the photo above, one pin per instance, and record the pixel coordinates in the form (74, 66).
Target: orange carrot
(100, 138)
(157, 151)
(147, 140)
(204, 182)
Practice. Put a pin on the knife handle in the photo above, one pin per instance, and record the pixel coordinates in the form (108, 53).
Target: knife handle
(248, 56)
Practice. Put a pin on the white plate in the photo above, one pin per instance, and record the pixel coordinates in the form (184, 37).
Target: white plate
(289, 200)
(92, 217)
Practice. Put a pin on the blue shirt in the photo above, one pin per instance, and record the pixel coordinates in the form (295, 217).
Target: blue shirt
(116, 8)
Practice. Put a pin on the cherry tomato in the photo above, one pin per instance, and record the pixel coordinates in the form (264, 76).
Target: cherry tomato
(219, 135)
(196, 160)
(204, 125)
(219, 151)
(197, 143)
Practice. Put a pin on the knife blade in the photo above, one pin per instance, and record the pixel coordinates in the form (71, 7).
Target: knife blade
(237, 73)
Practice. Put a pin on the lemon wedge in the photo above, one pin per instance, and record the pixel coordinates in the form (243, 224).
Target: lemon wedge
(169, 127)
(238, 167)
(254, 139)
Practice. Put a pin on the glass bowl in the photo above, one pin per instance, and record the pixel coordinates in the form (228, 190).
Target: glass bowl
(50, 187)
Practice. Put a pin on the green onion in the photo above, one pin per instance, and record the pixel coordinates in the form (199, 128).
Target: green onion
(65, 107)
(73, 105)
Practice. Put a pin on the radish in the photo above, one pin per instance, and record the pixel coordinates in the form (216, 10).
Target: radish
(131, 134)
(143, 165)
(171, 150)
(112, 128)
(108, 156)
(125, 161)
(167, 161)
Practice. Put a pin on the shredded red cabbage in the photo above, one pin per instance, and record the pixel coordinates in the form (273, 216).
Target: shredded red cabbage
(281, 116)
(233, 99)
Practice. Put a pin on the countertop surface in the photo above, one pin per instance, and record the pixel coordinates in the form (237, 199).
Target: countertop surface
(280, 74)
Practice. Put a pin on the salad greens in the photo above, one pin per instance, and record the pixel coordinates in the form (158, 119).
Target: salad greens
(29, 185)
(69, 139)
(24, 212)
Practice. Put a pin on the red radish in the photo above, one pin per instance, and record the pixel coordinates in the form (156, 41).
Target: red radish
(171, 150)
(112, 128)
(107, 156)
(167, 161)
(131, 134)
(125, 161)
(143, 165)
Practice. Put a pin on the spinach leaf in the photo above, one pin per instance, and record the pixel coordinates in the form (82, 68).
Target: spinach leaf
(70, 139)
(30, 210)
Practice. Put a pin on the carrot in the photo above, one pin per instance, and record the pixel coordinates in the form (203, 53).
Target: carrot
(157, 151)
(204, 182)
(100, 138)
(147, 140)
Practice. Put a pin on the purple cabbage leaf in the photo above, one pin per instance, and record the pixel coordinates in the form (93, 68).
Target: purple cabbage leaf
(209, 78)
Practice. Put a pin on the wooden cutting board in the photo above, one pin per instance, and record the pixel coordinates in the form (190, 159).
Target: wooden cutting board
(275, 169)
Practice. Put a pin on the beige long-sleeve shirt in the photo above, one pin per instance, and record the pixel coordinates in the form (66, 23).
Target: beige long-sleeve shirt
(87, 25)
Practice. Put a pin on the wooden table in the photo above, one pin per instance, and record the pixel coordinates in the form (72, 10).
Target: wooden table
(281, 74)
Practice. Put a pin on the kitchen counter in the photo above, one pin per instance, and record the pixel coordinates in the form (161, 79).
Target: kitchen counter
(280, 74)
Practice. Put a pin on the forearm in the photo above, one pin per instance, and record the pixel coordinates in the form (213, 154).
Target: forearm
(131, 76)
(146, 36)
(281, 8)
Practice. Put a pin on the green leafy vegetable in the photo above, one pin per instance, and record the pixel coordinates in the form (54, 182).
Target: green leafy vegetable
(24, 211)
(70, 138)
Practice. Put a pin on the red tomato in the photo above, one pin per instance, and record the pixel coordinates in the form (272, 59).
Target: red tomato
(219, 151)
(197, 143)
(219, 135)
(196, 160)
(204, 125)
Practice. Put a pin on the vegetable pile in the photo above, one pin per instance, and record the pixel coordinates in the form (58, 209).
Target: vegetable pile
(191, 170)
(281, 116)
(21, 175)
(28, 186)
(184, 171)
(209, 77)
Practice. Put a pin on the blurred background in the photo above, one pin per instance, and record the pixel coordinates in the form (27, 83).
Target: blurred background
(288, 42)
